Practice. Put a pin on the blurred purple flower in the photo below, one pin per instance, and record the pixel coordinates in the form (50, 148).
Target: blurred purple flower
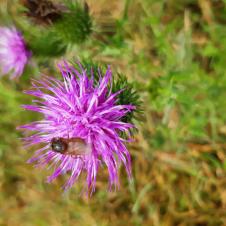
(13, 53)
(76, 108)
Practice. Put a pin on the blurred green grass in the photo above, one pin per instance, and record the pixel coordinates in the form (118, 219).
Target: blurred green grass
(175, 52)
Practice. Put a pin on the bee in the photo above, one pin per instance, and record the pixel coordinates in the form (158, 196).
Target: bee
(70, 146)
(43, 11)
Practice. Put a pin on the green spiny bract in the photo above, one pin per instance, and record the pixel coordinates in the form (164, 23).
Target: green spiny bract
(128, 96)
(75, 24)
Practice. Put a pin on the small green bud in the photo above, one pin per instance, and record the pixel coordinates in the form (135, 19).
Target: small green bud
(75, 24)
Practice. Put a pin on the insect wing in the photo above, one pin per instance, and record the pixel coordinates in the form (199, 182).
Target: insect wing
(77, 146)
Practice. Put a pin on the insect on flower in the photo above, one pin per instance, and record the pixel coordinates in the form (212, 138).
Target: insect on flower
(71, 146)
(81, 128)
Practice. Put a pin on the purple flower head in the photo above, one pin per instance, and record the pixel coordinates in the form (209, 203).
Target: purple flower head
(81, 127)
(13, 53)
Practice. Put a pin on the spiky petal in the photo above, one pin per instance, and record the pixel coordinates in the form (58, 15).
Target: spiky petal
(13, 53)
(75, 107)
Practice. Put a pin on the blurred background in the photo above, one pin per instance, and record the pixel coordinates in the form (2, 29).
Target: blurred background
(174, 52)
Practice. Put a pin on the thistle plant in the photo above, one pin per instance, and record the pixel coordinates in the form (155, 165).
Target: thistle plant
(79, 113)
(50, 28)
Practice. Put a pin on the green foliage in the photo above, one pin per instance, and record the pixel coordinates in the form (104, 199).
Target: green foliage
(75, 25)
(46, 44)
(191, 89)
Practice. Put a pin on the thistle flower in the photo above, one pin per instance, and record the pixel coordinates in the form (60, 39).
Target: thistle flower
(76, 109)
(13, 53)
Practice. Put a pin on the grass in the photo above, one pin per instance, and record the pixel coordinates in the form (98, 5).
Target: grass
(175, 52)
